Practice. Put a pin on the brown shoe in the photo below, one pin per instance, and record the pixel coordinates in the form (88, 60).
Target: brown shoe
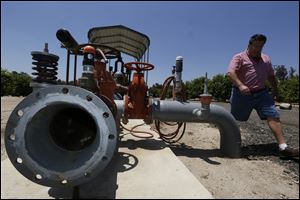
(289, 152)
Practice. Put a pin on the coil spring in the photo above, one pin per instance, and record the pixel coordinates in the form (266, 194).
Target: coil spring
(45, 67)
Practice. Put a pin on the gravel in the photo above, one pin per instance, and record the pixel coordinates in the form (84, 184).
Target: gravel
(258, 142)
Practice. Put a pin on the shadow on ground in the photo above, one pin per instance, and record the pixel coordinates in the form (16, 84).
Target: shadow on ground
(103, 186)
(189, 151)
(149, 144)
(250, 152)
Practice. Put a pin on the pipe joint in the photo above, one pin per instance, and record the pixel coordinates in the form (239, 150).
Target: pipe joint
(64, 134)
(174, 111)
(202, 113)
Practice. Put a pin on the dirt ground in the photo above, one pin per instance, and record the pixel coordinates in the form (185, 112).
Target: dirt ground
(260, 173)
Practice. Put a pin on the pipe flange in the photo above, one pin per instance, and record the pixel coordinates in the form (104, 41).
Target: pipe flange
(80, 117)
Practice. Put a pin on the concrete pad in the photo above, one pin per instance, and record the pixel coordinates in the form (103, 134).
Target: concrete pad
(142, 168)
(15, 186)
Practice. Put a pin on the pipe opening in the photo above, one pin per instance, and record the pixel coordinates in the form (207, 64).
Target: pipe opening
(62, 136)
(73, 129)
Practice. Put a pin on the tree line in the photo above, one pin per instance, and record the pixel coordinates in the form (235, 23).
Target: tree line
(17, 84)
(220, 86)
(14, 83)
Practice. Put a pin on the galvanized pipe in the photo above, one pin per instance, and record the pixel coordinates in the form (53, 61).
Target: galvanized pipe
(61, 136)
(68, 66)
(178, 79)
(175, 111)
(120, 107)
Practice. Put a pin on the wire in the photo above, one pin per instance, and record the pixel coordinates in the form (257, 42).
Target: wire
(167, 137)
(170, 137)
(132, 131)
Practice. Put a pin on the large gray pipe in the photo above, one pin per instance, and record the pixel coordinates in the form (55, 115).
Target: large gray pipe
(61, 136)
(175, 111)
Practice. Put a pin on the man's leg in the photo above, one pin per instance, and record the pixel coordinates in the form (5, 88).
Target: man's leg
(266, 110)
(275, 126)
(241, 105)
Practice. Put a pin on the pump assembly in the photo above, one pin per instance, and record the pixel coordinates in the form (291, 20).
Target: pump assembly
(66, 134)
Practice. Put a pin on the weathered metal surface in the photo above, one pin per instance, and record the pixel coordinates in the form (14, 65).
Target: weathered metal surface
(61, 136)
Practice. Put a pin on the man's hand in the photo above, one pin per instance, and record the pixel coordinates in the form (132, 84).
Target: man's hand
(276, 96)
(244, 90)
(236, 81)
(273, 81)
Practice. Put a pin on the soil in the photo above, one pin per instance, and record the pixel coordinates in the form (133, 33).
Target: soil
(259, 173)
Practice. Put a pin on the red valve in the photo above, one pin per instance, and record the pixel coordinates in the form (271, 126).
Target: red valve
(136, 102)
(139, 66)
(89, 49)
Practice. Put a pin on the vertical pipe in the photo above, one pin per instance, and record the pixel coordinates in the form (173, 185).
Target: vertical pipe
(109, 65)
(178, 79)
(145, 73)
(75, 68)
(148, 54)
(205, 84)
(175, 111)
(147, 60)
(68, 66)
(46, 48)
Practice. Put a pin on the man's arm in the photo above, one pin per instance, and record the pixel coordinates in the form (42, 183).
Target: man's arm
(273, 81)
(236, 81)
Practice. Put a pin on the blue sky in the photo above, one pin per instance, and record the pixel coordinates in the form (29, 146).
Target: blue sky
(206, 34)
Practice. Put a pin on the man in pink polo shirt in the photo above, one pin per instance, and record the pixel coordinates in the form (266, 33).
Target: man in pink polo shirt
(248, 72)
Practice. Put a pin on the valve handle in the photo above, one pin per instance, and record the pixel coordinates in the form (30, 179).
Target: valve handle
(138, 67)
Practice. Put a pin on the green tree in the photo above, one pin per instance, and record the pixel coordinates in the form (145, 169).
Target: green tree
(289, 90)
(220, 87)
(187, 86)
(291, 72)
(22, 81)
(155, 90)
(195, 87)
(7, 83)
(280, 72)
(14, 83)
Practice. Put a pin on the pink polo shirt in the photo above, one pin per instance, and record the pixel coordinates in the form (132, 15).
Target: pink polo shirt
(251, 73)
